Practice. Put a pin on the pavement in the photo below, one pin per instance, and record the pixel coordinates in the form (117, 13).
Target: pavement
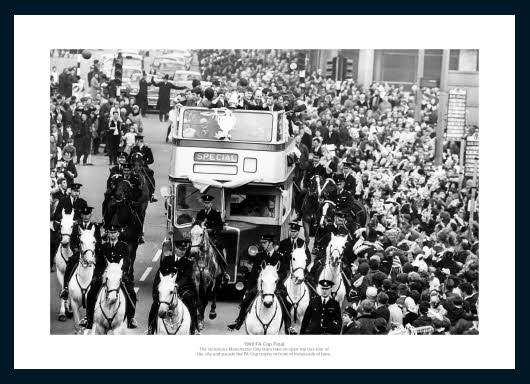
(147, 261)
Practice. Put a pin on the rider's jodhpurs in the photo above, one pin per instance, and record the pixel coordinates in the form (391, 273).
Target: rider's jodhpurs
(70, 268)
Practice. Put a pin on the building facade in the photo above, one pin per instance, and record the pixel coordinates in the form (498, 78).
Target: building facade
(405, 67)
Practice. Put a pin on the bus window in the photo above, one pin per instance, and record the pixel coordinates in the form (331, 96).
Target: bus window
(188, 203)
(252, 204)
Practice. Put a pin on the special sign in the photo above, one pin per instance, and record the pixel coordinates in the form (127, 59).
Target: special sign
(215, 157)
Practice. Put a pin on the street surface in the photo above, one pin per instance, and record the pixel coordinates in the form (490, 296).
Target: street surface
(94, 180)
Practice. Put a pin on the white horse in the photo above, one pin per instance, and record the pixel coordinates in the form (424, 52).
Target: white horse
(63, 254)
(173, 316)
(297, 290)
(265, 315)
(109, 314)
(79, 284)
(332, 270)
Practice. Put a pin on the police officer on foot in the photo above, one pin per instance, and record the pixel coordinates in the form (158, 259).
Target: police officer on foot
(83, 224)
(214, 224)
(181, 264)
(322, 316)
(111, 252)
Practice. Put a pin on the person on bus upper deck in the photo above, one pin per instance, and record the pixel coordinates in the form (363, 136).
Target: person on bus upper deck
(214, 224)
(208, 97)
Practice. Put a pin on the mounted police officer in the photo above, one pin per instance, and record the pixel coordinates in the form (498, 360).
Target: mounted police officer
(287, 246)
(112, 251)
(269, 256)
(148, 159)
(117, 169)
(73, 201)
(349, 177)
(177, 262)
(68, 202)
(322, 316)
(83, 224)
(345, 203)
(337, 228)
(214, 224)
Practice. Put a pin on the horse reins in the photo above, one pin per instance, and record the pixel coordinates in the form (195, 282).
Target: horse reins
(169, 304)
(295, 305)
(84, 264)
(107, 291)
(265, 326)
(328, 264)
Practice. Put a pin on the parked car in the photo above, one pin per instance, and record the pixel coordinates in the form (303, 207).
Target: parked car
(185, 79)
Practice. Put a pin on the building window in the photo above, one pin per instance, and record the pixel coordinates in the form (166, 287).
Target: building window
(396, 66)
(463, 60)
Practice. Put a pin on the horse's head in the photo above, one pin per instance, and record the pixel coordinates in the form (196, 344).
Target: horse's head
(167, 294)
(113, 275)
(87, 240)
(298, 264)
(335, 249)
(123, 188)
(268, 279)
(199, 238)
(67, 225)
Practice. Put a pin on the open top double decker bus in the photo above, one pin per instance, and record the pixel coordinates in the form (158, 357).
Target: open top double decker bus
(245, 160)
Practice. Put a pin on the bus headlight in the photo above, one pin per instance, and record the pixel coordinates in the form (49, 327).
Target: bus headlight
(240, 286)
(252, 250)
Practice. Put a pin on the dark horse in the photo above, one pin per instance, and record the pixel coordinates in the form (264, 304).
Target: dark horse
(119, 208)
(318, 191)
(310, 204)
(206, 271)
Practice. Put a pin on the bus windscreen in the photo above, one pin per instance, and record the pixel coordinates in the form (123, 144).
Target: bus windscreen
(237, 126)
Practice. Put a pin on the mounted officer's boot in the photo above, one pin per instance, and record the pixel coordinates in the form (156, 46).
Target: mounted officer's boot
(243, 309)
(286, 308)
(91, 299)
(70, 268)
(130, 309)
(151, 320)
(191, 303)
(225, 277)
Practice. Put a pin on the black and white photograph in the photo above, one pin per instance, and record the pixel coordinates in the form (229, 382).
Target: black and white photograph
(279, 199)
(264, 191)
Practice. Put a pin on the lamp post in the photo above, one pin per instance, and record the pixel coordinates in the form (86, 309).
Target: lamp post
(442, 108)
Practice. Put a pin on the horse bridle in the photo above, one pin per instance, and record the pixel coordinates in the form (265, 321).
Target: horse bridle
(295, 304)
(333, 294)
(265, 326)
(170, 304)
(107, 292)
(82, 259)
(263, 295)
(84, 263)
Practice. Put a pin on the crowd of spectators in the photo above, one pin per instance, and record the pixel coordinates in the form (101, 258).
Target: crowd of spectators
(417, 264)
(81, 123)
